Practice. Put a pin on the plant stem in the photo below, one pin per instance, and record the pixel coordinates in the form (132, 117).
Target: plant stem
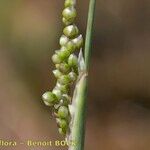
(89, 31)
(80, 94)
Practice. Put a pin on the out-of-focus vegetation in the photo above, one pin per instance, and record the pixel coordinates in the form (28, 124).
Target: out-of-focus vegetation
(119, 100)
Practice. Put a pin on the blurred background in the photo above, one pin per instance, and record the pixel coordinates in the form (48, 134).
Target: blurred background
(118, 113)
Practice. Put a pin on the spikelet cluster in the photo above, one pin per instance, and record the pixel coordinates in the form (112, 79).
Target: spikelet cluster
(66, 72)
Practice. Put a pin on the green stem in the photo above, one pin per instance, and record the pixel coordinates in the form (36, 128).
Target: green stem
(77, 134)
(89, 32)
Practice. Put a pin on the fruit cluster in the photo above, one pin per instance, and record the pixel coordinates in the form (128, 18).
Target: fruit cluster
(66, 72)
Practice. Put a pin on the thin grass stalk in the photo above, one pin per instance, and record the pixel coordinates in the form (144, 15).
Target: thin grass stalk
(78, 107)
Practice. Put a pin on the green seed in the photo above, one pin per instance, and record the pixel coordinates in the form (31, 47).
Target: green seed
(71, 31)
(63, 112)
(62, 131)
(64, 79)
(73, 60)
(69, 13)
(71, 46)
(58, 93)
(57, 73)
(73, 76)
(49, 98)
(56, 59)
(63, 53)
(63, 40)
(69, 3)
(78, 41)
(67, 21)
(62, 123)
(62, 88)
(64, 68)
